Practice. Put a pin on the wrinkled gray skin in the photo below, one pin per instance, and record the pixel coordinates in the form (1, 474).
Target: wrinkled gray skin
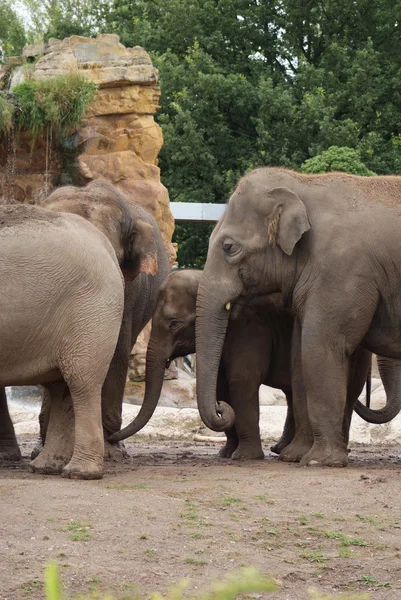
(61, 303)
(330, 245)
(131, 230)
(256, 350)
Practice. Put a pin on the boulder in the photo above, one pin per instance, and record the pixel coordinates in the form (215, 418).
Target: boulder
(179, 391)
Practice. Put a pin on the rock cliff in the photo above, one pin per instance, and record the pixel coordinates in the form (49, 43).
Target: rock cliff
(118, 139)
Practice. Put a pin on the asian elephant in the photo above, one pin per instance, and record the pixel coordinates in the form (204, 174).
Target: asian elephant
(330, 245)
(61, 304)
(256, 350)
(132, 231)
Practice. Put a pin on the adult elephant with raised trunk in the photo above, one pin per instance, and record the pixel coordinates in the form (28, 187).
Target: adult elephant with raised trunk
(330, 245)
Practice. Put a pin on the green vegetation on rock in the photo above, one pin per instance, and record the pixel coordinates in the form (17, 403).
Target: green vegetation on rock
(56, 103)
(6, 114)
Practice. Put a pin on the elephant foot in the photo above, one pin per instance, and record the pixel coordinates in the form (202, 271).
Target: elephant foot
(48, 464)
(295, 451)
(37, 449)
(115, 452)
(226, 451)
(325, 457)
(248, 453)
(10, 452)
(80, 469)
(279, 446)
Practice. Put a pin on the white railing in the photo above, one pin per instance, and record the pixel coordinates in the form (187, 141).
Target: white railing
(197, 211)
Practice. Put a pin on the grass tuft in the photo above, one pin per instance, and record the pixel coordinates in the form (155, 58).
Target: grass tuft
(344, 540)
(79, 531)
(6, 114)
(56, 103)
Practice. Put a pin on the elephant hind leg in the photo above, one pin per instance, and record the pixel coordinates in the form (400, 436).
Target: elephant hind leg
(87, 458)
(9, 449)
(59, 439)
(75, 452)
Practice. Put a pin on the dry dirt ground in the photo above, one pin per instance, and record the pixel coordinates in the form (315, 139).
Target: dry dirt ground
(174, 510)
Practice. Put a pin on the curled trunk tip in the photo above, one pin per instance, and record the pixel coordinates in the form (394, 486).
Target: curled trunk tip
(222, 419)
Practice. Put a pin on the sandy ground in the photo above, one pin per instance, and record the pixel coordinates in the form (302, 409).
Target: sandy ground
(174, 510)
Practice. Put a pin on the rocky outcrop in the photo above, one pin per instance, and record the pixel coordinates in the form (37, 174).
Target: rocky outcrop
(118, 140)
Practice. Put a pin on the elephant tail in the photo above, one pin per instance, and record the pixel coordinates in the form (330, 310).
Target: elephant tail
(390, 372)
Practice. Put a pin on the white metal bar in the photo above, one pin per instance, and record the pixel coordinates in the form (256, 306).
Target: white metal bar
(197, 211)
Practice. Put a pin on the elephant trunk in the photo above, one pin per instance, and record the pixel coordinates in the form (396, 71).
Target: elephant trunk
(155, 368)
(211, 326)
(390, 373)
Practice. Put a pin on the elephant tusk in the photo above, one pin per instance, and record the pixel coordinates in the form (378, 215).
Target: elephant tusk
(228, 305)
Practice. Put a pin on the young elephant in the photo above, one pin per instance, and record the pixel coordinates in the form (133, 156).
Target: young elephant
(256, 350)
(61, 304)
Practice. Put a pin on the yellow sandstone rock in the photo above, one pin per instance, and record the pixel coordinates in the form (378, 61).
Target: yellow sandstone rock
(118, 139)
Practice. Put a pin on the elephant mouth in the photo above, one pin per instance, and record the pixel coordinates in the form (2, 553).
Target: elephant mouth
(168, 362)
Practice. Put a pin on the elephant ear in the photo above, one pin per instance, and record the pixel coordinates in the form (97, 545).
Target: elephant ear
(288, 221)
(140, 251)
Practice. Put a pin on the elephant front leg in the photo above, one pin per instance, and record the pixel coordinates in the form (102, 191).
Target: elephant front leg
(289, 428)
(231, 443)
(9, 449)
(44, 417)
(112, 403)
(223, 395)
(244, 397)
(114, 384)
(303, 436)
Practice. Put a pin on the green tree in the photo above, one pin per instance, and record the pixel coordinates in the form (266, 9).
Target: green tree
(343, 159)
(63, 18)
(12, 35)
(247, 83)
(209, 67)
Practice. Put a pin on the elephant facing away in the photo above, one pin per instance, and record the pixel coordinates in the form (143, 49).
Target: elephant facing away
(61, 306)
(330, 245)
(138, 247)
(256, 350)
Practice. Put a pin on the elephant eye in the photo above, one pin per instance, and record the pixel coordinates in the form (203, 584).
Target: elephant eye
(231, 248)
(174, 323)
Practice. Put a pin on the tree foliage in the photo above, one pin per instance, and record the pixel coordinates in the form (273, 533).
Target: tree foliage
(343, 159)
(12, 34)
(63, 18)
(247, 83)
